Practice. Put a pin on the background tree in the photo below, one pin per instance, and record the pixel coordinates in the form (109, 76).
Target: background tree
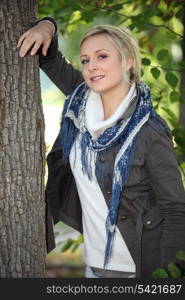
(22, 223)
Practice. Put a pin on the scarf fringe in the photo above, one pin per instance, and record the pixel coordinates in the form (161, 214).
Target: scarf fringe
(114, 203)
(85, 157)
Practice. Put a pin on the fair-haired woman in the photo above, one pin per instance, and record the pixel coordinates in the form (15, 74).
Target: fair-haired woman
(113, 173)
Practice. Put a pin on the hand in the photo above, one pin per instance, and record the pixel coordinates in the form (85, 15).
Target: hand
(37, 36)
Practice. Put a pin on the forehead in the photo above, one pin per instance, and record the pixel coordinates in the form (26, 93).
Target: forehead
(97, 42)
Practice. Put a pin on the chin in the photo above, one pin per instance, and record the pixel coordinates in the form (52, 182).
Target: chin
(96, 88)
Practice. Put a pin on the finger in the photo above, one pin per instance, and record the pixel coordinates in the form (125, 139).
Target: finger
(45, 47)
(25, 47)
(21, 39)
(35, 48)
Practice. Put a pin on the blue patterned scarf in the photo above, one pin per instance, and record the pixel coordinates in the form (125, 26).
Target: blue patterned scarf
(124, 135)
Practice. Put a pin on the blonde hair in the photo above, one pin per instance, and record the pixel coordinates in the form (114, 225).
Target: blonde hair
(125, 44)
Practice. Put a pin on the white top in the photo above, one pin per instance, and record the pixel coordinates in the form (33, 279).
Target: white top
(94, 207)
(95, 122)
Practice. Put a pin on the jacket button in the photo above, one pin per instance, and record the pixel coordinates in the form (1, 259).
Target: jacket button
(101, 159)
(108, 192)
(148, 222)
(123, 217)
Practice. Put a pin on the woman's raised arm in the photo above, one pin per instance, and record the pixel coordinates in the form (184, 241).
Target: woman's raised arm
(42, 39)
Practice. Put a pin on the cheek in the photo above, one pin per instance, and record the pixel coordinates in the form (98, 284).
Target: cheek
(86, 77)
(84, 73)
(117, 71)
(115, 66)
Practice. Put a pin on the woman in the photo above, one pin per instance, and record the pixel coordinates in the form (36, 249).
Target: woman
(113, 173)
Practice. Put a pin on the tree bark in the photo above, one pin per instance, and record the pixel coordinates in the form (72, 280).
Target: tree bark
(22, 150)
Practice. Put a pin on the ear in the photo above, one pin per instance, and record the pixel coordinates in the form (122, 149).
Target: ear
(129, 63)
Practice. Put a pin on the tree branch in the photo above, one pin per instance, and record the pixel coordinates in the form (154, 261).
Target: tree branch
(152, 25)
(168, 28)
(168, 69)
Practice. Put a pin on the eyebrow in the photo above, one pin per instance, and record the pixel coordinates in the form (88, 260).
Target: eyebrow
(97, 51)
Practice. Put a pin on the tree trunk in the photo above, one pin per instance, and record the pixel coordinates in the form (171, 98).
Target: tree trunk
(22, 151)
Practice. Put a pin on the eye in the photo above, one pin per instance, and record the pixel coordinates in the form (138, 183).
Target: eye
(84, 61)
(103, 56)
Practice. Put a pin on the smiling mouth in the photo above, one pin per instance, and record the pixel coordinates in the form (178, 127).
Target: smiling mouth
(96, 78)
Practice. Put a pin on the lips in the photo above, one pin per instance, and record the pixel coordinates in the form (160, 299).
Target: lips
(96, 78)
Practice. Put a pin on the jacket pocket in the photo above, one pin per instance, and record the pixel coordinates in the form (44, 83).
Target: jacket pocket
(135, 171)
(152, 218)
(151, 240)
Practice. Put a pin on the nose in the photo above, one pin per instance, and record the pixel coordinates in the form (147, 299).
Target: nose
(92, 65)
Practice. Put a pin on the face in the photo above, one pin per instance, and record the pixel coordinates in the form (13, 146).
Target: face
(101, 64)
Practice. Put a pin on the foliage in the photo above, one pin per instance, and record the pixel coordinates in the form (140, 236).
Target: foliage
(72, 244)
(174, 269)
(158, 27)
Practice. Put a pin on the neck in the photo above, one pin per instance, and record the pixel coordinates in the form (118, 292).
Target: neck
(112, 99)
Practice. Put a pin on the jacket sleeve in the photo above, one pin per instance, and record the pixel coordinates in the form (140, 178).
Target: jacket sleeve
(166, 182)
(58, 69)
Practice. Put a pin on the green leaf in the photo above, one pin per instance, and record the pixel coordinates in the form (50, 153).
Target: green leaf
(179, 14)
(162, 54)
(132, 26)
(67, 245)
(170, 113)
(174, 271)
(74, 247)
(80, 239)
(171, 116)
(160, 273)
(155, 72)
(140, 22)
(158, 12)
(174, 96)
(74, 5)
(179, 136)
(181, 255)
(118, 6)
(158, 99)
(146, 61)
(88, 15)
(172, 79)
(181, 64)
